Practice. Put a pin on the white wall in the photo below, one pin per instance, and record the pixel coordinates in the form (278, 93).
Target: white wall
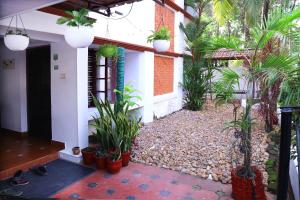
(132, 29)
(13, 101)
(133, 65)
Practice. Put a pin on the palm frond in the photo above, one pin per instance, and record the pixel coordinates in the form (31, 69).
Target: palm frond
(223, 10)
(276, 67)
(226, 43)
(252, 11)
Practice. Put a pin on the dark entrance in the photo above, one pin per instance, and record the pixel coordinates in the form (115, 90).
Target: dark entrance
(39, 92)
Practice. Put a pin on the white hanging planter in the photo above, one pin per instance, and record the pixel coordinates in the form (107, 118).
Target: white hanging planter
(79, 36)
(161, 45)
(16, 42)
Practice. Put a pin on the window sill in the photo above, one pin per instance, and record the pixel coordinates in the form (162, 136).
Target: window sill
(93, 112)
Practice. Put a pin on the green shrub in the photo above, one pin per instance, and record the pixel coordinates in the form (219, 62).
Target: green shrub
(194, 84)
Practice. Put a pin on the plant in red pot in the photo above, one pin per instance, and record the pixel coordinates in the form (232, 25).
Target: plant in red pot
(88, 155)
(100, 159)
(247, 180)
(128, 129)
(114, 162)
(127, 125)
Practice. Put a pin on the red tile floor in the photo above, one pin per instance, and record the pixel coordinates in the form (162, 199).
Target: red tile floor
(138, 181)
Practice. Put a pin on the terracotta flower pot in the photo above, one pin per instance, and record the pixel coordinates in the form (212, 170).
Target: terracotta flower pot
(76, 150)
(114, 167)
(125, 158)
(88, 156)
(100, 162)
(244, 189)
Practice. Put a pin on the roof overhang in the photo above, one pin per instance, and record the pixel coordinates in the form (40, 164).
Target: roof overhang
(9, 8)
(100, 6)
(229, 54)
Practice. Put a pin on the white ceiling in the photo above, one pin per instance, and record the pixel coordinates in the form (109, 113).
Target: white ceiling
(9, 8)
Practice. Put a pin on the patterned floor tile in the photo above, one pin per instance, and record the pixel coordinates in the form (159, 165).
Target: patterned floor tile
(142, 182)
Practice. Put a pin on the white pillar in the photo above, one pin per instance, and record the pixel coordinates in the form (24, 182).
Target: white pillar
(147, 85)
(69, 97)
(82, 97)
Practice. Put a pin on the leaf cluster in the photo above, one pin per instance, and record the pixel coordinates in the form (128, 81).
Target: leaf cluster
(161, 34)
(77, 18)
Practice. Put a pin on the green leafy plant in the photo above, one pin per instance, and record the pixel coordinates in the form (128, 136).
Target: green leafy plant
(128, 98)
(128, 128)
(17, 31)
(194, 85)
(162, 34)
(105, 126)
(114, 155)
(108, 50)
(115, 128)
(101, 153)
(77, 18)
(242, 127)
(224, 87)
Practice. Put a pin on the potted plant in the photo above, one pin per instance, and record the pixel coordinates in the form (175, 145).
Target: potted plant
(100, 159)
(247, 180)
(108, 50)
(76, 150)
(80, 33)
(88, 155)
(16, 40)
(128, 129)
(127, 126)
(161, 39)
(114, 161)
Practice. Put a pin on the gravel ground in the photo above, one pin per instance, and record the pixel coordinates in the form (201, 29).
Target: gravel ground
(196, 143)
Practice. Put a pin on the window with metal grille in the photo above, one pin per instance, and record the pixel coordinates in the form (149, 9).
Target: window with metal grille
(101, 77)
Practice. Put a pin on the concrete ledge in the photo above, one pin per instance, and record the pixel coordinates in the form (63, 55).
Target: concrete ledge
(69, 156)
(164, 97)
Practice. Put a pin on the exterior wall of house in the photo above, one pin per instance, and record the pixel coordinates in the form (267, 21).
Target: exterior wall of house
(70, 112)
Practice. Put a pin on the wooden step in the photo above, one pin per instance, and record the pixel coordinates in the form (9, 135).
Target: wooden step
(7, 173)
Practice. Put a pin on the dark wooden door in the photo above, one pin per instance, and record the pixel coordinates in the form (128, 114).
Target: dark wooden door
(39, 92)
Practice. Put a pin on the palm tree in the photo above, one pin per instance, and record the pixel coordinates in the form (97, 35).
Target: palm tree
(278, 68)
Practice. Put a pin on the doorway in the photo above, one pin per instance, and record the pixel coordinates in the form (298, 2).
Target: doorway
(39, 92)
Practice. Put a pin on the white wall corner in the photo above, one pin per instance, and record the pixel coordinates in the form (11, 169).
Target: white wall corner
(147, 85)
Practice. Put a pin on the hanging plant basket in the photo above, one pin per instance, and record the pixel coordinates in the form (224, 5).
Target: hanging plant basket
(246, 188)
(16, 38)
(161, 39)
(80, 33)
(108, 50)
(79, 36)
(161, 45)
(16, 42)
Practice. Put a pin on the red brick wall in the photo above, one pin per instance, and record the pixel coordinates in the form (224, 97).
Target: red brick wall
(164, 66)
(165, 17)
(163, 75)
